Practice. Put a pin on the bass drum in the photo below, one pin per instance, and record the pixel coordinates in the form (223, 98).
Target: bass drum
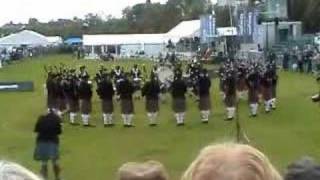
(165, 74)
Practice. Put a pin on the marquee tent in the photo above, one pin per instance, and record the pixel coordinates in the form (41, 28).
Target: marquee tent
(25, 38)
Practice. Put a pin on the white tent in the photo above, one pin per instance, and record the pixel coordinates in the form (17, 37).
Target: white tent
(26, 37)
(185, 29)
(55, 40)
(120, 39)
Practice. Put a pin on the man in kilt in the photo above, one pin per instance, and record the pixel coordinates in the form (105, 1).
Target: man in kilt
(266, 83)
(230, 94)
(125, 91)
(106, 92)
(178, 91)
(48, 129)
(151, 90)
(85, 95)
(204, 85)
(241, 79)
(71, 93)
(253, 82)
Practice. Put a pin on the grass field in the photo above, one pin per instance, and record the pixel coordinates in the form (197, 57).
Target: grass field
(290, 132)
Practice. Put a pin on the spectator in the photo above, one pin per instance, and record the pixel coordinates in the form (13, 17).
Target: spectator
(231, 162)
(150, 170)
(304, 169)
(13, 171)
(48, 128)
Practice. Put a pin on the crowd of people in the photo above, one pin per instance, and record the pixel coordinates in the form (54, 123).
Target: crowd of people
(228, 161)
(70, 92)
(306, 60)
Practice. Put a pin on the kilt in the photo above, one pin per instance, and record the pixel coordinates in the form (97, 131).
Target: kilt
(73, 105)
(127, 106)
(86, 106)
(241, 85)
(51, 102)
(253, 95)
(62, 104)
(204, 103)
(107, 106)
(267, 93)
(230, 100)
(152, 105)
(179, 105)
(45, 151)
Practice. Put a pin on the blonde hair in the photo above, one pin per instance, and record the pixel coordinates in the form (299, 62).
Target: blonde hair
(13, 171)
(231, 162)
(150, 170)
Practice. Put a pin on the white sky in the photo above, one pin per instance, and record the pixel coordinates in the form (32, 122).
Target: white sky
(46, 10)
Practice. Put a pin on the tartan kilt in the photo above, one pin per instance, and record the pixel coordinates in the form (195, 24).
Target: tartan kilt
(62, 104)
(107, 106)
(152, 105)
(204, 103)
(45, 151)
(230, 100)
(51, 102)
(253, 95)
(267, 93)
(179, 105)
(73, 105)
(241, 85)
(127, 106)
(86, 106)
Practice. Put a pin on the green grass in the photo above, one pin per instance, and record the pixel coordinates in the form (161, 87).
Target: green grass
(288, 133)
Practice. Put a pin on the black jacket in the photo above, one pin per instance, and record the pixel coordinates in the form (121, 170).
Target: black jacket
(204, 85)
(125, 89)
(151, 90)
(179, 89)
(48, 128)
(85, 91)
(105, 90)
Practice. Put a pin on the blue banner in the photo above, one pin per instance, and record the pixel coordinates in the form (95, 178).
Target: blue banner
(207, 28)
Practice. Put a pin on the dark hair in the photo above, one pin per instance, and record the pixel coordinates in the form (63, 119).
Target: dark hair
(303, 169)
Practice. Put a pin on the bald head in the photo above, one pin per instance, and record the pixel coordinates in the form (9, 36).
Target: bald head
(150, 170)
(231, 162)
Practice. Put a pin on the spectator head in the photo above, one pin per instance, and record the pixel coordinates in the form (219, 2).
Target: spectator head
(231, 162)
(150, 170)
(304, 169)
(12, 171)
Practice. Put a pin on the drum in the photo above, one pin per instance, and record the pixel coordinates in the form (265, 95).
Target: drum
(165, 74)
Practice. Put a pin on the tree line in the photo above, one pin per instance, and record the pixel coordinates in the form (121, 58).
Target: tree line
(151, 17)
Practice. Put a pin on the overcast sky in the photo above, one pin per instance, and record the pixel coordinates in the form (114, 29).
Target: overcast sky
(19, 11)
(46, 10)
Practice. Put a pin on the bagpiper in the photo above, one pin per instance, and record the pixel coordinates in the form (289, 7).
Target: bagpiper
(71, 91)
(266, 83)
(253, 82)
(203, 88)
(178, 91)
(151, 91)
(230, 90)
(106, 92)
(125, 91)
(85, 95)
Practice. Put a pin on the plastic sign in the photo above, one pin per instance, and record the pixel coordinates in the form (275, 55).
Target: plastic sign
(16, 86)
